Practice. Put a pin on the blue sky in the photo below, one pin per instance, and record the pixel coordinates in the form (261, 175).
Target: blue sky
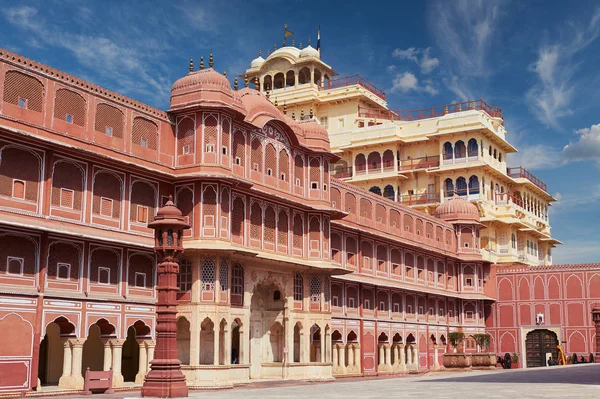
(537, 60)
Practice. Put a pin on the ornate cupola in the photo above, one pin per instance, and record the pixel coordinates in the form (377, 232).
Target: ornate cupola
(464, 216)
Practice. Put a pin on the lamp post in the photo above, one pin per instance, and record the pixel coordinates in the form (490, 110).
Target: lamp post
(596, 320)
(165, 379)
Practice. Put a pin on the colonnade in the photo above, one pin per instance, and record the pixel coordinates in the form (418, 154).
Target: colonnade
(73, 376)
(346, 358)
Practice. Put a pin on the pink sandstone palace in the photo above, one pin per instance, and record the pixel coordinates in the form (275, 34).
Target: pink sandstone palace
(330, 236)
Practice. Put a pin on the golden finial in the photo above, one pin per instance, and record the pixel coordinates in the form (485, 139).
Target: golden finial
(267, 93)
(225, 73)
(302, 114)
(293, 115)
(446, 110)
(260, 53)
(210, 60)
(191, 65)
(284, 108)
(300, 45)
(276, 103)
(246, 80)
(311, 113)
(293, 43)
(275, 47)
(309, 41)
(256, 83)
(268, 53)
(235, 83)
(201, 63)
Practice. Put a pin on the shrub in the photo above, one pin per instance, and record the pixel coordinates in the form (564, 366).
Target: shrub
(455, 338)
(483, 340)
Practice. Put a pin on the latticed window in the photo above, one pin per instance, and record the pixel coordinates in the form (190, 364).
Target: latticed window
(184, 278)
(225, 135)
(69, 107)
(237, 218)
(23, 90)
(269, 225)
(209, 200)
(223, 275)
(210, 133)
(256, 155)
(298, 287)
(282, 228)
(185, 136)
(327, 289)
(109, 117)
(256, 222)
(239, 148)
(315, 289)
(144, 133)
(237, 279)
(315, 173)
(208, 275)
(271, 160)
(299, 171)
(298, 231)
(284, 165)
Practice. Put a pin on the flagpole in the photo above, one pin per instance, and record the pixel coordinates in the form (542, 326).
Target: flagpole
(319, 41)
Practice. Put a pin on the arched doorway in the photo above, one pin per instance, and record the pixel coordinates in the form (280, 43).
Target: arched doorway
(538, 344)
(266, 320)
(130, 357)
(52, 350)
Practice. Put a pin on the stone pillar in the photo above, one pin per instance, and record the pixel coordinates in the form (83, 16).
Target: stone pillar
(596, 321)
(117, 345)
(216, 342)
(151, 345)
(335, 358)
(76, 376)
(143, 362)
(65, 378)
(350, 350)
(388, 355)
(402, 361)
(357, 358)
(436, 361)
(322, 346)
(227, 346)
(381, 355)
(341, 349)
(194, 341)
(107, 355)
(328, 348)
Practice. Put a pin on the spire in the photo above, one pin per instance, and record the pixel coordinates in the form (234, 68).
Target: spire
(235, 83)
(284, 108)
(201, 63)
(276, 103)
(267, 93)
(300, 45)
(309, 41)
(275, 47)
(210, 60)
(302, 114)
(311, 113)
(293, 115)
(260, 53)
(268, 53)
(246, 80)
(293, 45)
(225, 73)
(191, 64)
(256, 83)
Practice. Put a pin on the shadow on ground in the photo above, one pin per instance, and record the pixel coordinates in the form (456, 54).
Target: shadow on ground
(586, 374)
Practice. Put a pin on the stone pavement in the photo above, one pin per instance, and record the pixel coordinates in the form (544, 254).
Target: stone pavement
(575, 381)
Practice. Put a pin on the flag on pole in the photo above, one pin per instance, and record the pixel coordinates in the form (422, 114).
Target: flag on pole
(286, 33)
(319, 40)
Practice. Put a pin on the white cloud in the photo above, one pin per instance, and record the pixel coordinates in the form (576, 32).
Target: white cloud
(576, 251)
(550, 98)
(537, 156)
(405, 82)
(420, 56)
(586, 147)
(466, 32)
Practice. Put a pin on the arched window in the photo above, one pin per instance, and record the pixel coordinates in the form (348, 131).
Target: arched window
(375, 190)
(388, 192)
(315, 289)
(237, 285)
(360, 163)
(304, 76)
(278, 81)
(290, 78)
(449, 187)
(513, 241)
(459, 149)
(448, 153)
(473, 185)
(208, 275)
(473, 148)
(374, 161)
(461, 186)
(298, 287)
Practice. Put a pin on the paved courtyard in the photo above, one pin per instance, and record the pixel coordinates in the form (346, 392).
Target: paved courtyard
(579, 381)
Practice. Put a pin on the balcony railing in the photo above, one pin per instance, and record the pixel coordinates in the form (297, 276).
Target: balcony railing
(419, 199)
(342, 173)
(351, 81)
(434, 112)
(449, 160)
(520, 171)
(470, 194)
(419, 163)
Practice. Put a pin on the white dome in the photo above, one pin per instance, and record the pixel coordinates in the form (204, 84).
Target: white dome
(285, 51)
(257, 62)
(309, 51)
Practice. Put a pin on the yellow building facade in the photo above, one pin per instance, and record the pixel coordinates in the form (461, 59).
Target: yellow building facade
(419, 158)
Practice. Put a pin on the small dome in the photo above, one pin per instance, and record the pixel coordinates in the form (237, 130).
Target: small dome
(206, 86)
(458, 210)
(309, 51)
(169, 210)
(287, 51)
(257, 62)
(316, 135)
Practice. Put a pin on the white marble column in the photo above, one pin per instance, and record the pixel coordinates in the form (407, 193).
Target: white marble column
(381, 355)
(227, 346)
(335, 358)
(216, 342)
(194, 340)
(341, 349)
(436, 362)
(388, 355)
(117, 346)
(322, 346)
(107, 355)
(143, 362)
(151, 345)
(357, 359)
(401, 349)
(64, 381)
(76, 376)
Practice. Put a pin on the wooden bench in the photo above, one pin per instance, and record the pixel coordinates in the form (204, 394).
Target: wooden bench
(98, 381)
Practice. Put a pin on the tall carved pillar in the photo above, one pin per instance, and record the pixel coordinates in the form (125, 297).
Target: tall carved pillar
(216, 345)
(76, 380)
(227, 346)
(117, 346)
(596, 320)
(107, 355)
(401, 349)
(65, 378)
(388, 355)
(194, 340)
(381, 355)
(350, 350)
(357, 359)
(335, 360)
(341, 351)
(151, 345)
(165, 379)
(436, 360)
(322, 346)
(143, 362)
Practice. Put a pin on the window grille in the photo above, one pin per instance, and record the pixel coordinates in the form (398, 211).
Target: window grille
(208, 275)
